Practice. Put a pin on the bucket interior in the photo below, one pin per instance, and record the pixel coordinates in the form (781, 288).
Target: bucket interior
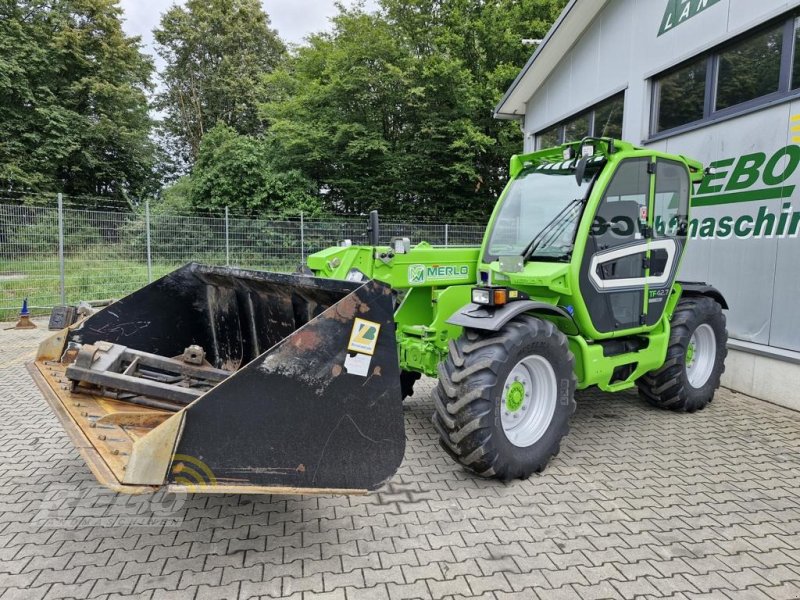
(233, 314)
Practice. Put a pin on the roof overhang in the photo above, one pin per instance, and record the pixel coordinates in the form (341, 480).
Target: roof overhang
(565, 32)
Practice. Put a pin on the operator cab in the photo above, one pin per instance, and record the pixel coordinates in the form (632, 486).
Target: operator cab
(619, 223)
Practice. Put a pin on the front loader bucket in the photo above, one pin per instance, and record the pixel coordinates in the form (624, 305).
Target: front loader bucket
(223, 380)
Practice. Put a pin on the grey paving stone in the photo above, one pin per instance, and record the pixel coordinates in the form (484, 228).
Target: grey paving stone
(645, 503)
(225, 592)
(450, 587)
(25, 593)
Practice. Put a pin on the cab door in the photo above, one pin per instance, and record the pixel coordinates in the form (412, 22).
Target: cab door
(614, 269)
(668, 226)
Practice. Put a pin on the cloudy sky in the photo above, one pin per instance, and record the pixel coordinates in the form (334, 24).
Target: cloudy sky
(294, 19)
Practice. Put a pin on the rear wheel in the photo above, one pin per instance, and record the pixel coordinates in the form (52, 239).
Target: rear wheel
(504, 399)
(695, 358)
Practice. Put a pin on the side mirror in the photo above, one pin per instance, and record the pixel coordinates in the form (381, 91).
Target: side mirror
(580, 170)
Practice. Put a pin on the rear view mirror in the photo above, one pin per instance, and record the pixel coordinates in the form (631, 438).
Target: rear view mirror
(580, 170)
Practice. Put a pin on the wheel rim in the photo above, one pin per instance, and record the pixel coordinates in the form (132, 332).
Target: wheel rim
(529, 401)
(701, 355)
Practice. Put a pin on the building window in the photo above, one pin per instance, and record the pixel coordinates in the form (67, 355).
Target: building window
(578, 128)
(682, 96)
(608, 118)
(796, 61)
(551, 137)
(756, 68)
(602, 120)
(750, 69)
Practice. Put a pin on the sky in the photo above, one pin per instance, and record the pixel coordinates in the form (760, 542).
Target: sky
(294, 19)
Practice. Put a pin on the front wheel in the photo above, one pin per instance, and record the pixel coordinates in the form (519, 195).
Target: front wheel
(504, 399)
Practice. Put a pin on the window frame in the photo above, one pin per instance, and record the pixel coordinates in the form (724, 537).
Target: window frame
(590, 113)
(783, 94)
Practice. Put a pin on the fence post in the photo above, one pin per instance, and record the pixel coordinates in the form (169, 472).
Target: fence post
(227, 239)
(147, 237)
(446, 234)
(302, 240)
(61, 267)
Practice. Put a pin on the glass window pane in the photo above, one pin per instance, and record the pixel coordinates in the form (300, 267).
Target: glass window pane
(671, 204)
(618, 217)
(608, 118)
(577, 129)
(682, 96)
(750, 69)
(549, 138)
(796, 63)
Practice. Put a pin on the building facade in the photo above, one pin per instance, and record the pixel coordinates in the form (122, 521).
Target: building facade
(719, 81)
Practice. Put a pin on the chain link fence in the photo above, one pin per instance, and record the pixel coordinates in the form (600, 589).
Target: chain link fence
(60, 255)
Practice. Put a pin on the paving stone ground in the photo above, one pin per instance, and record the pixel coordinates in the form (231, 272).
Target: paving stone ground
(639, 504)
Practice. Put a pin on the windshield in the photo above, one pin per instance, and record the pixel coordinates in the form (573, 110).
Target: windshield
(541, 206)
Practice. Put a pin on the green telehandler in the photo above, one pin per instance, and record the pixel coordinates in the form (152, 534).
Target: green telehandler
(219, 379)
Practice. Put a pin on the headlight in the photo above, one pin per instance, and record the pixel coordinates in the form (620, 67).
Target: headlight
(493, 296)
(481, 296)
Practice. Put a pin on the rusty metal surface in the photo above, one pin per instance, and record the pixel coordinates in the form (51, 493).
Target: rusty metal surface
(300, 413)
(104, 447)
(296, 418)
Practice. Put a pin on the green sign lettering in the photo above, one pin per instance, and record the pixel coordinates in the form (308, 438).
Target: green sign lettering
(421, 274)
(747, 173)
(740, 184)
(766, 223)
(680, 11)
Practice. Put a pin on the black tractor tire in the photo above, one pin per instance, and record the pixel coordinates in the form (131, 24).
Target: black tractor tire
(407, 381)
(669, 387)
(469, 398)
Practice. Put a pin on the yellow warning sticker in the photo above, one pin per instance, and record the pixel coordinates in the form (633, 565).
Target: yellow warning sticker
(364, 337)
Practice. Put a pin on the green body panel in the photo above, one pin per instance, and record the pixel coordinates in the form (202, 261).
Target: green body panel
(433, 283)
(442, 266)
(422, 329)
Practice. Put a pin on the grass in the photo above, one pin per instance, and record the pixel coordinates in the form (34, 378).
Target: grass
(85, 279)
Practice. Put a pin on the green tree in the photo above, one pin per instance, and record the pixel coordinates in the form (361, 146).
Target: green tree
(73, 106)
(486, 38)
(393, 110)
(373, 125)
(237, 171)
(215, 52)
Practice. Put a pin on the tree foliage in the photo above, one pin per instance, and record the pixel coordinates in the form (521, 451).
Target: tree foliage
(393, 110)
(73, 103)
(215, 52)
(388, 110)
(237, 170)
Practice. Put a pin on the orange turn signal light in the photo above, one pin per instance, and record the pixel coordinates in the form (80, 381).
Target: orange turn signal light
(500, 296)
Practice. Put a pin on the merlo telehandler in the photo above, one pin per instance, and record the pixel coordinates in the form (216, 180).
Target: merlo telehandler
(219, 379)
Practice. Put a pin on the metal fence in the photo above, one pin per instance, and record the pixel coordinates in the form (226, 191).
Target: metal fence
(57, 255)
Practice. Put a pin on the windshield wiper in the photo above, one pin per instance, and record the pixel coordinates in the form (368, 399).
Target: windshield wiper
(536, 241)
